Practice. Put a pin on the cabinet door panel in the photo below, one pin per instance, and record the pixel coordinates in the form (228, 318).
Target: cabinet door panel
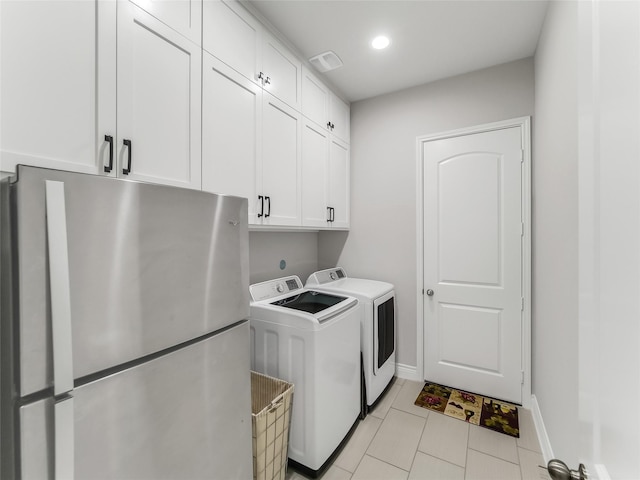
(283, 70)
(231, 132)
(339, 190)
(281, 162)
(184, 16)
(315, 153)
(57, 84)
(158, 100)
(315, 99)
(232, 35)
(339, 115)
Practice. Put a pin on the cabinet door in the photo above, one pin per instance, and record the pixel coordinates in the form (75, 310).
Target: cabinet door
(58, 83)
(315, 99)
(339, 116)
(184, 16)
(232, 35)
(158, 101)
(339, 186)
(283, 71)
(280, 162)
(231, 132)
(315, 162)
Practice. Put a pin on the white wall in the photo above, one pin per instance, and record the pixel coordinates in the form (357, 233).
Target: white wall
(555, 230)
(587, 234)
(299, 250)
(382, 241)
(609, 187)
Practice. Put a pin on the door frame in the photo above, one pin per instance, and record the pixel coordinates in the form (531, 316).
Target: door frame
(524, 123)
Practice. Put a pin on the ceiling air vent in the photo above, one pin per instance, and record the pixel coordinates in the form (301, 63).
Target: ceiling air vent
(326, 61)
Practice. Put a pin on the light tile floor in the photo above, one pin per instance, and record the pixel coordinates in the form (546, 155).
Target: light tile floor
(399, 440)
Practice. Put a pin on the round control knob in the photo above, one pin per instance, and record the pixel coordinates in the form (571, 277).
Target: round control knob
(280, 288)
(332, 276)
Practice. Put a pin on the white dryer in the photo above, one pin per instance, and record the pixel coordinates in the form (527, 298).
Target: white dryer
(377, 332)
(311, 339)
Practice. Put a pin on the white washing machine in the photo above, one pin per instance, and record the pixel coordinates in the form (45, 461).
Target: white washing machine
(377, 333)
(311, 339)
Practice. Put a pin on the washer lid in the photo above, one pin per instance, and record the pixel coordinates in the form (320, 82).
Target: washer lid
(310, 301)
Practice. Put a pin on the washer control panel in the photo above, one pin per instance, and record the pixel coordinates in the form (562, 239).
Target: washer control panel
(274, 288)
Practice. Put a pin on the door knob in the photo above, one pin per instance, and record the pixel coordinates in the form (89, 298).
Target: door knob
(430, 292)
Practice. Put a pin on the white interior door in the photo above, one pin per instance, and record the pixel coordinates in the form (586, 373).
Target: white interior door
(473, 262)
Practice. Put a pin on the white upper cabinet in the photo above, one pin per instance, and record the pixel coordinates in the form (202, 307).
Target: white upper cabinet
(315, 166)
(325, 178)
(338, 184)
(315, 99)
(322, 106)
(279, 172)
(233, 35)
(76, 99)
(159, 101)
(281, 72)
(58, 84)
(340, 118)
(184, 16)
(231, 132)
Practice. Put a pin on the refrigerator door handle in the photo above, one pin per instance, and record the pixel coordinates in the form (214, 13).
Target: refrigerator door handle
(64, 439)
(60, 287)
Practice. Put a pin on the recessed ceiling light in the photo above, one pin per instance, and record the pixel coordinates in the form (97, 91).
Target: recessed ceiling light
(380, 42)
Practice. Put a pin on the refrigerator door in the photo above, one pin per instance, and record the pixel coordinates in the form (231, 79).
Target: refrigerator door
(149, 267)
(186, 415)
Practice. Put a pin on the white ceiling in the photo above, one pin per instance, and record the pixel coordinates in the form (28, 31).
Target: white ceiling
(430, 39)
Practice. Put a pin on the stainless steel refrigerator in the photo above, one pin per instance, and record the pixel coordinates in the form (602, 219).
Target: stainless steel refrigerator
(123, 340)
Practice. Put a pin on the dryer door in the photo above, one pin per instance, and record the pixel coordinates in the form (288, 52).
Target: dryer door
(384, 332)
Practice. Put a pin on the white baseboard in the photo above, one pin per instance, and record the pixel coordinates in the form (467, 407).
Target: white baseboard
(408, 372)
(543, 438)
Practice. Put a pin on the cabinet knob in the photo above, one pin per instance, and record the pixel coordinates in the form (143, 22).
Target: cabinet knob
(265, 80)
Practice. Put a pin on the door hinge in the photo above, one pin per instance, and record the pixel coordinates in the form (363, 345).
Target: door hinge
(522, 304)
(521, 155)
(522, 377)
(522, 229)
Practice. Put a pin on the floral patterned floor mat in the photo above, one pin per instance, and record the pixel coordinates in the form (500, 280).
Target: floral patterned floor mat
(469, 407)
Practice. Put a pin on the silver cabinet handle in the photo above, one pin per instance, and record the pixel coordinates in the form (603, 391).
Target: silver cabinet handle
(60, 287)
(430, 292)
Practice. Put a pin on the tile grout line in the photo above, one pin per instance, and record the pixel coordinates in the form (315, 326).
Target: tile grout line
(415, 453)
(493, 456)
(368, 445)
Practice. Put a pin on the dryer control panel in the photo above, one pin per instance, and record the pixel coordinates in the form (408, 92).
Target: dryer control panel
(326, 276)
(274, 288)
